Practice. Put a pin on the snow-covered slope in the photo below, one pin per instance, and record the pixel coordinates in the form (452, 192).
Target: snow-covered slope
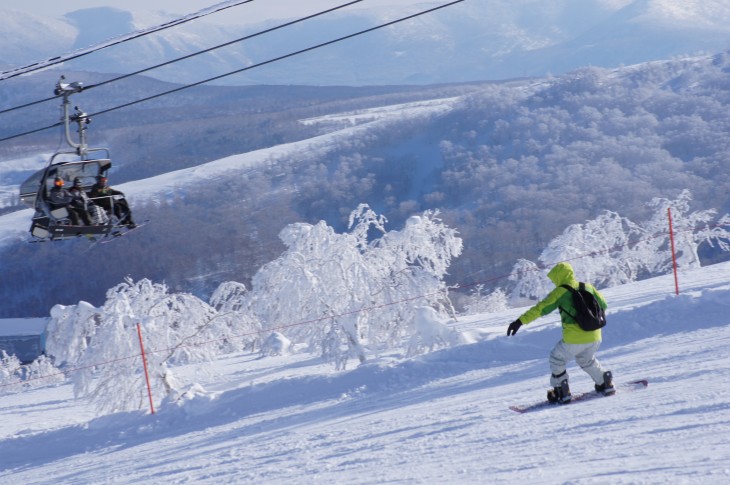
(438, 418)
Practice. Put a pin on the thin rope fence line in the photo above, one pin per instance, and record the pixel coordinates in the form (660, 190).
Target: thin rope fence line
(335, 316)
(65, 372)
(413, 298)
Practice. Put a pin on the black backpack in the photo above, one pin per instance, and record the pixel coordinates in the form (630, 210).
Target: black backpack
(588, 312)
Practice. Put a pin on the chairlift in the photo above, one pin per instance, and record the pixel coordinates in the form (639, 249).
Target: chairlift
(52, 222)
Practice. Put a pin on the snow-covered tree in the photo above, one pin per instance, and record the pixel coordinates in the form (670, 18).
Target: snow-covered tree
(15, 377)
(529, 281)
(230, 296)
(611, 250)
(342, 292)
(479, 301)
(275, 344)
(176, 329)
(309, 284)
(231, 301)
(599, 250)
(413, 262)
(70, 330)
(431, 331)
(10, 373)
(690, 230)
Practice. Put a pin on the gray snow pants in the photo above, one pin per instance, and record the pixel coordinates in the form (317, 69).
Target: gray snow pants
(585, 357)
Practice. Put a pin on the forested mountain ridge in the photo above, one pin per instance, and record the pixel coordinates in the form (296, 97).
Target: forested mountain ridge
(190, 127)
(512, 166)
(509, 166)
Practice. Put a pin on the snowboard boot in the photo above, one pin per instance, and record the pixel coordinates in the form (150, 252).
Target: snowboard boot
(607, 387)
(560, 394)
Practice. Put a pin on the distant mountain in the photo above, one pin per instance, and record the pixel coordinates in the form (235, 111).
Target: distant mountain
(475, 40)
(26, 38)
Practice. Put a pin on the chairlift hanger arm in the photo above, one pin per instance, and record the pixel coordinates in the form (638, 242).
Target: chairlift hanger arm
(79, 117)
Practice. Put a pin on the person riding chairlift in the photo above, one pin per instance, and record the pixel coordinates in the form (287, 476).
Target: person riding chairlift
(74, 203)
(96, 214)
(112, 201)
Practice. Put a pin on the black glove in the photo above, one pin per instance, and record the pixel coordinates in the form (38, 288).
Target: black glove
(513, 327)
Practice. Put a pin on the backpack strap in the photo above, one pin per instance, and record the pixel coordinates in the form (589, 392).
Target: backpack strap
(581, 286)
(573, 291)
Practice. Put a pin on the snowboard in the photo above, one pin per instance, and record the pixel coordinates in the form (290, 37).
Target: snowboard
(580, 397)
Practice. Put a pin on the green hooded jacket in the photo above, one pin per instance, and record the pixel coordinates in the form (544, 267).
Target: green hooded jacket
(562, 274)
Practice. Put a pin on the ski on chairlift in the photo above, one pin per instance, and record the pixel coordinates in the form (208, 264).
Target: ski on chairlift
(69, 196)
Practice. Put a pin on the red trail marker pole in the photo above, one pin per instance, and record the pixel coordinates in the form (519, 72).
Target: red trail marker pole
(146, 374)
(674, 257)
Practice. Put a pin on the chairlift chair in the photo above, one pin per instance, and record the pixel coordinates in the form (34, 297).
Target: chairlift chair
(49, 223)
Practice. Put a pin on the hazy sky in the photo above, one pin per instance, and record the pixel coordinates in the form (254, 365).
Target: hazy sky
(255, 11)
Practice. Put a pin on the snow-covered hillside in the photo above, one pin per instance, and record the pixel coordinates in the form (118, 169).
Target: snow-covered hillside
(348, 128)
(440, 418)
(474, 40)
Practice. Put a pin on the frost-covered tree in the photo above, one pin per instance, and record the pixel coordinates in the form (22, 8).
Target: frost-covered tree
(599, 250)
(479, 301)
(431, 331)
(611, 250)
(529, 281)
(15, 377)
(230, 296)
(339, 293)
(414, 262)
(305, 292)
(10, 375)
(70, 330)
(275, 344)
(176, 329)
(690, 230)
(231, 301)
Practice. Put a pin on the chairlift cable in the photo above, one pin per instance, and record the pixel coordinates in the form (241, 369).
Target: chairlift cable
(285, 56)
(37, 130)
(117, 40)
(226, 44)
(238, 71)
(250, 36)
(32, 103)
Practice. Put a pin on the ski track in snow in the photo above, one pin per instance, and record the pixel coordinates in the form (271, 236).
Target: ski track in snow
(439, 418)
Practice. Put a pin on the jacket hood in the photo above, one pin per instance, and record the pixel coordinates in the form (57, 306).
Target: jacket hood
(562, 274)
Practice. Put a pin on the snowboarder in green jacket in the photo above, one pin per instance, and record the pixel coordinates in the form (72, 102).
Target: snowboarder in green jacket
(576, 343)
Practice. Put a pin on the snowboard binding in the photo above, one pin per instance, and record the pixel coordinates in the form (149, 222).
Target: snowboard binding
(560, 394)
(607, 388)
